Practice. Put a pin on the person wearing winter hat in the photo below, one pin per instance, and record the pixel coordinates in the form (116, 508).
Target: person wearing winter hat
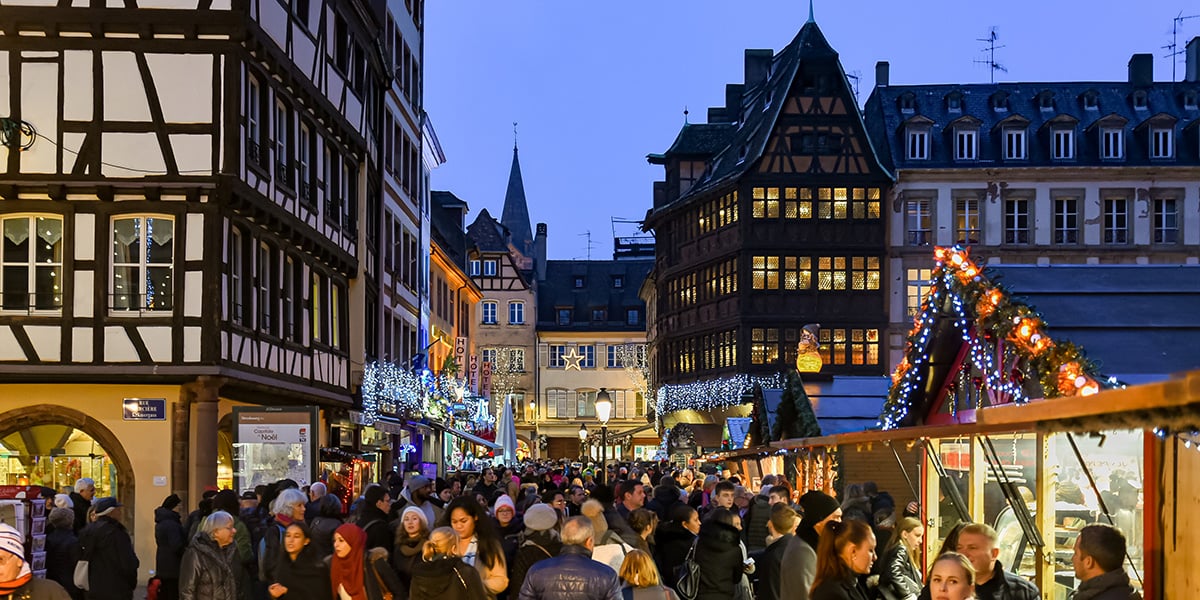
(798, 567)
(609, 547)
(171, 543)
(108, 548)
(411, 535)
(420, 493)
(16, 578)
(508, 525)
(539, 542)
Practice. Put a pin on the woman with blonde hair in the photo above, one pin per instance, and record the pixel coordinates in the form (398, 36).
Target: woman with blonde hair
(951, 578)
(442, 575)
(898, 570)
(641, 578)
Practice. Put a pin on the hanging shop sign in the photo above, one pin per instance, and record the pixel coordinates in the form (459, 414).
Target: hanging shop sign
(460, 353)
(485, 380)
(474, 372)
(272, 443)
(144, 409)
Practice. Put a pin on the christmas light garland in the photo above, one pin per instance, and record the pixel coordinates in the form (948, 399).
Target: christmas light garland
(711, 394)
(989, 320)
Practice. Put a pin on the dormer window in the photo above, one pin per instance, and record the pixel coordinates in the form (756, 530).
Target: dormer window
(999, 101)
(580, 281)
(1091, 100)
(1045, 100)
(1161, 143)
(966, 143)
(907, 102)
(618, 281)
(1062, 144)
(1014, 143)
(918, 143)
(1112, 143)
(954, 102)
(1139, 100)
(1189, 100)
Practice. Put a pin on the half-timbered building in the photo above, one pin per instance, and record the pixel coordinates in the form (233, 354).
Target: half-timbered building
(769, 218)
(183, 201)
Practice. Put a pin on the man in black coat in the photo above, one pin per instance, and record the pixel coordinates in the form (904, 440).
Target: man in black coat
(977, 542)
(754, 522)
(572, 575)
(666, 496)
(81, 500)
(112, 563)
(672, 541)
(171, 541)
(374, 517)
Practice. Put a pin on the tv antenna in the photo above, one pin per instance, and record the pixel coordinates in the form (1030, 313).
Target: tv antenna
(991, 49)
(588, 234)
(1173, 48)
(854, 77)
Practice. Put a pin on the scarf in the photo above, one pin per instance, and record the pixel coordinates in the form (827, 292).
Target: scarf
(410, 547)
(1100, 584)
(284, 520)
(8, 587)
(348, 572)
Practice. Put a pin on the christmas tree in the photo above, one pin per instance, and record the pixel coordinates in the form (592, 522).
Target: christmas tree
(795, 417)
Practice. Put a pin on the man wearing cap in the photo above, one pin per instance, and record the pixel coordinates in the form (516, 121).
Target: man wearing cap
(419, 491)
(16, 579)
(106, 545)
(798, 567)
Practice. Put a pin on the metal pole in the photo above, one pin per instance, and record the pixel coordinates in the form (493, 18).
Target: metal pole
(604, 451)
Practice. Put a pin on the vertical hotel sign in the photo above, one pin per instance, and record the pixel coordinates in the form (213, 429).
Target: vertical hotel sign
(272, 443)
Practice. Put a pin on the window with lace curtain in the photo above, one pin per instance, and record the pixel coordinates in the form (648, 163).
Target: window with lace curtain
(31, 270)
(143, 249)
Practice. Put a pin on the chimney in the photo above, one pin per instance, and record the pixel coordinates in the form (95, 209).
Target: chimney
(733, 101)
(1141, 70)
(758, 64)
(883, 71)
(716, 114)
(539, 251)
(1192, 72)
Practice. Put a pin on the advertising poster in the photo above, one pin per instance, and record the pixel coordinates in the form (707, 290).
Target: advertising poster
(272, 443)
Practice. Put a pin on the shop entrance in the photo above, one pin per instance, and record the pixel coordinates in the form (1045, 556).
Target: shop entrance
(54, 446)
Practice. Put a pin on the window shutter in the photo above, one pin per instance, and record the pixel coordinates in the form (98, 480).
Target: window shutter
(601, 357)
(543, 356)
(562, 404)
(572, 404)
(619, 401)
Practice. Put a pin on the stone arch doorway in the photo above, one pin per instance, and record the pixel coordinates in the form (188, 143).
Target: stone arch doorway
(58, 421)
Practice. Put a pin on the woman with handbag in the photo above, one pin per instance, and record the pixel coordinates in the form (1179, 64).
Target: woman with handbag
(442, 575)
(673, 540)
(355, 574)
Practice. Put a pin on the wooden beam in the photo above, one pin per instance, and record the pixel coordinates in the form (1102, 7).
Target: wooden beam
(1178, 392)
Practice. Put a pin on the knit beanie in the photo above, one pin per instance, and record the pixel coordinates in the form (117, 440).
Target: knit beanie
(171, 502)
(504, 500)
(11, 541)
(817, 506)
(420, 515)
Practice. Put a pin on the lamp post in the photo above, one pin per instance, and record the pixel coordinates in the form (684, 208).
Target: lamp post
(582, 440)
(604, 412)
(534, 450)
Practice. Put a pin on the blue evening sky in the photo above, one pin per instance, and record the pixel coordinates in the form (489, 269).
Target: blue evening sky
(596, 86)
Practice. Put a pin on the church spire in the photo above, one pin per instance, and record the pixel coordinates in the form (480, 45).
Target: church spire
(811, 18)
(515, 215)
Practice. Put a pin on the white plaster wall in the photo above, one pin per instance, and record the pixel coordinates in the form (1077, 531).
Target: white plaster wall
(117, 347)
(184, 85)
(158, 342)
(77, 75)
(47, 341)
(83, 293)
(10, 349)
(193, 293)
(191, 344)
(39, 107)
(124, 152)
(124, 94)
(81, 344)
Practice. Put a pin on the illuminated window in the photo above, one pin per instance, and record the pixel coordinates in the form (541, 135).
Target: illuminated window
(840, 204)
(143, 259)
(916, 286)
(797, 272)
(864, 346)
(765, 272)
(966, 220)
(831, 273)
(865, 272)
(764, 346)
(31, 269)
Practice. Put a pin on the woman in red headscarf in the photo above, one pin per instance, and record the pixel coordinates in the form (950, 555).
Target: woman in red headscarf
(358, 574)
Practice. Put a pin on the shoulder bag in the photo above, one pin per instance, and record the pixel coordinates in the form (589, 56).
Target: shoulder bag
(384, 590)
(688, 582)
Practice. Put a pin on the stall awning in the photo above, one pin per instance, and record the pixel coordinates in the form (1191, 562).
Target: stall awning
(474, 439)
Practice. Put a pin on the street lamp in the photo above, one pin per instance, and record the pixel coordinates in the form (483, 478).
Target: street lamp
(582, 440)
(604, 412)
(534, 450)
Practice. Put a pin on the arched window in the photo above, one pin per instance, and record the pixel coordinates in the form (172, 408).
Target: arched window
(31, 271)
(488, 308)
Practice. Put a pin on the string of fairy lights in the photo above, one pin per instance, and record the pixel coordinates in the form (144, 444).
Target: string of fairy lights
(1006, 341)
(712, 394)
(388, 388)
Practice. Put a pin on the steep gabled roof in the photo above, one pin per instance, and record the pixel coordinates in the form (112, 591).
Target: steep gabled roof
(558, 290)
(445, 221)
(487, 234)
(515, 215)
(746, 138)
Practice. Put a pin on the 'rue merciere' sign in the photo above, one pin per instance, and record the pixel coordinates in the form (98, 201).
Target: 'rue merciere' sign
(145, 409)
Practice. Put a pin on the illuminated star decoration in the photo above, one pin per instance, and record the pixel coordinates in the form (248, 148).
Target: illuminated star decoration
(572, 359)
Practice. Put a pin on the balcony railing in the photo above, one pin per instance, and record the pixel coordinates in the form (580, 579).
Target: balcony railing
(253, 154)
(30, 302)
(920, 237)
(283, 173)
(159, 302)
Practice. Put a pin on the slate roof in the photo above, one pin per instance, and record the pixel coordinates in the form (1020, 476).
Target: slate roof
(515, 215)
(558, 290)
(446, 225)
(487, 234)
(847, 403)
(1137, 322)
(1114, 102)
(747, 136)
(702, 139)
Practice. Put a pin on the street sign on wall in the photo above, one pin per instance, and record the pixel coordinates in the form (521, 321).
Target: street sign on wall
(144, 409)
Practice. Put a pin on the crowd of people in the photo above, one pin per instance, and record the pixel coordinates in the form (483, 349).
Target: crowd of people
(539, 532)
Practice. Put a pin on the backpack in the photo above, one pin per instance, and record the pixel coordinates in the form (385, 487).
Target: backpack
(262, 551)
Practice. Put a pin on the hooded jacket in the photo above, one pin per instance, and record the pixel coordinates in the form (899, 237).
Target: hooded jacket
(671, 545)
(446, 578)
(754, 525)
(665, 498)
(168, 534)
(113, 565)
(719, 555)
